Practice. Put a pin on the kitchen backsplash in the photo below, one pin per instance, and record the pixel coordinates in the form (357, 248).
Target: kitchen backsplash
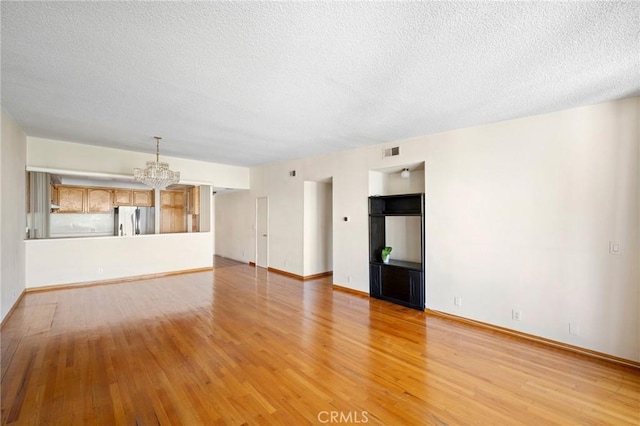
(70, 225)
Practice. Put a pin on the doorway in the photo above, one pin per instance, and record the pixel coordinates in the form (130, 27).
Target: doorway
(262, 232)
(318, 227)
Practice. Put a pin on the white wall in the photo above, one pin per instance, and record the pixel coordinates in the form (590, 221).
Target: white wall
(12, 213)
(234, 230)
(318, 228)
(78, 260)
(535, 205)
(519, 215)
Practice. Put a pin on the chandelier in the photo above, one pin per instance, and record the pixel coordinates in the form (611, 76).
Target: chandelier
(156, 174)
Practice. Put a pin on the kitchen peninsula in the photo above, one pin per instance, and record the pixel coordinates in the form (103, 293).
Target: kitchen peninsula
(85, 230)
(68, 261)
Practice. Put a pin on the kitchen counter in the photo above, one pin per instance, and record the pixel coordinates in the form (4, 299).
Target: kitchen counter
(82, 235)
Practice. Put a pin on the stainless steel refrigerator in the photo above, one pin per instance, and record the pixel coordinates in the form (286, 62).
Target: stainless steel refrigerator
(133, 220)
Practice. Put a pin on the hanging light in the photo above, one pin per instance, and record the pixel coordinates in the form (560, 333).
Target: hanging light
(156, 174)
(405, 174)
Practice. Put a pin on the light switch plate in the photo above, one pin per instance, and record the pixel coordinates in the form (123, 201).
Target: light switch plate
(614, 247)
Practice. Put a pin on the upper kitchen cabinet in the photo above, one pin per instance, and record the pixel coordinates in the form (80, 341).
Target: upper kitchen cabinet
(98, 200)
(129, 197)
(76, 199)
(71, 199)
(122, 197)
(172, 198)
(79, 199)
(143, 198)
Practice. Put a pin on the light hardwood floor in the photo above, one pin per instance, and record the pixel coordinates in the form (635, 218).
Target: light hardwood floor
(241, 345)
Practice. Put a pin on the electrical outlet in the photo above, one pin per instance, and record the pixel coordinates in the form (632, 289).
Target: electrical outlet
(100, 271)
(574, 328)
(348, 279)
(516, 315)
(457, 301)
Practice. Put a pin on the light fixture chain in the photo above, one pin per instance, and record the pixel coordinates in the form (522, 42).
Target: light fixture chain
(157, 148)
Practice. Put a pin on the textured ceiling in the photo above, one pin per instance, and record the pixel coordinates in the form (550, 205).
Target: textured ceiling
(250, 83)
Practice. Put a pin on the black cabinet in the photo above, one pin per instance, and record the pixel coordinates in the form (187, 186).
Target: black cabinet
(398, 281)
(375, 280)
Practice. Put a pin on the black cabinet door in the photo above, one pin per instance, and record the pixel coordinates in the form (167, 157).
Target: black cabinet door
(375, 278)
(396, 284)
(416, 284)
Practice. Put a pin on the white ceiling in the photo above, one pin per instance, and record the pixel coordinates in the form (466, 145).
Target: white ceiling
(249, 83)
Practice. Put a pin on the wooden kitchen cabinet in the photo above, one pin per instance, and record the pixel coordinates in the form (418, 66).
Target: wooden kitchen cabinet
(178, 199)
(71, 199)
(143, 198)
(194, 200)
(77, 199)
(172, 212)
(166, 199)
(54, 194)
(129, 197)
(179, 220)
(98, 200)
(172, 199)
(122, 197)
(172, 220)
(166, 220)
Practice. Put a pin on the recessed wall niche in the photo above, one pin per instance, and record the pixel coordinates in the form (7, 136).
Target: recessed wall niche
(401, 232)
(396, 219)
(388, 181)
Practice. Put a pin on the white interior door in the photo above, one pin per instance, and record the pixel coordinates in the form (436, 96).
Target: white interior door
(262, 232)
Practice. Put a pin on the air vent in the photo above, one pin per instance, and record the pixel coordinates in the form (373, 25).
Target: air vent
(391, 152)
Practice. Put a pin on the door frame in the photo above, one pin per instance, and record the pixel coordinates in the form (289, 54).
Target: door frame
(257, 257)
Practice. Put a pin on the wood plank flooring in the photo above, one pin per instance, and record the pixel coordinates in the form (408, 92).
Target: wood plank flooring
(240, 345)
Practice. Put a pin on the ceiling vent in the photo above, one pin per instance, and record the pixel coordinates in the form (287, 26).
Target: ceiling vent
(391, 152)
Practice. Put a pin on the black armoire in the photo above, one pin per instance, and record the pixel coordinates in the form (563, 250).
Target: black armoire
(398, 281)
